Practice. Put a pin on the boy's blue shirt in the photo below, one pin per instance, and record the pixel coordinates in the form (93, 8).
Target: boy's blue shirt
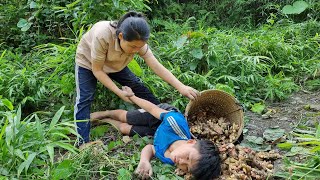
(173, 127)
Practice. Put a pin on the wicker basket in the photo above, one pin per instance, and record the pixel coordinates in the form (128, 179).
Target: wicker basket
(222, 104)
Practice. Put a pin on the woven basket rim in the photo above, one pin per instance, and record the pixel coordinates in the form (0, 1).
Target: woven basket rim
(235, 103)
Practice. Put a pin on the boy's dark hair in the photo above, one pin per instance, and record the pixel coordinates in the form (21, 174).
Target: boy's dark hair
(133, 26)
(208, 166)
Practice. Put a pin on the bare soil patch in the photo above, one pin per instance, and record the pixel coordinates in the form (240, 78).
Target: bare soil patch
(301, 107)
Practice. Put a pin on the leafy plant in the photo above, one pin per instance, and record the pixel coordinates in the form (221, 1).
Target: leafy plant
(28, 145)
(307, 145)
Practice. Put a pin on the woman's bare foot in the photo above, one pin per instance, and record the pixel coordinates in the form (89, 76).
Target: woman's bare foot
(99, 115)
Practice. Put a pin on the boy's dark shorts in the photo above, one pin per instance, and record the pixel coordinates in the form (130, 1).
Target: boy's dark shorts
(143, 123)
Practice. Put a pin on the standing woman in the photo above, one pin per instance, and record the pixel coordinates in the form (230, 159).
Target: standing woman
(104, 53)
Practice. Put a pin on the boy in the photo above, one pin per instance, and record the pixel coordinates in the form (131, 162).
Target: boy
(172, 142)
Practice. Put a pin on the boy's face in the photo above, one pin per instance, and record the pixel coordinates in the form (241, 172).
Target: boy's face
(186, 156)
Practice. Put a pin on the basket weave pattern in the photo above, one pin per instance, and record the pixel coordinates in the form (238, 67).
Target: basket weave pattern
(216, 104)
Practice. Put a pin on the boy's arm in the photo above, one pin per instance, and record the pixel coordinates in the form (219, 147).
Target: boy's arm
(144, 169)
(151, 108)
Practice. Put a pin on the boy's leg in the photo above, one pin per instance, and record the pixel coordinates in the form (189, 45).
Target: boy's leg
(124, 128)
(119, 115)
(128, 129)
(126, 78)
(143, 123)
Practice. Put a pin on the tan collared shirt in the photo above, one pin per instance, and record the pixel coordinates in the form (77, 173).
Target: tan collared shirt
(100, 43)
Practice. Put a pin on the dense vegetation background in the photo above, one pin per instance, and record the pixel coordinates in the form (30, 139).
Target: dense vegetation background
(256, 50)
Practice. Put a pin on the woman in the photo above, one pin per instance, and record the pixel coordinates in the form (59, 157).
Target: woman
(104, 53)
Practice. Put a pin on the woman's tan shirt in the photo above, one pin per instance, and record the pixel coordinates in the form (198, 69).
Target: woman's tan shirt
(101, 44)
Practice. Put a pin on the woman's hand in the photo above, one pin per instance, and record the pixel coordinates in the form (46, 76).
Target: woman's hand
(127, 91)
(189, 92)
(144, 170)
(125, 98)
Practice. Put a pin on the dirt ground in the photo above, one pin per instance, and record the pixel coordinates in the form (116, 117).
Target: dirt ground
(301, 108)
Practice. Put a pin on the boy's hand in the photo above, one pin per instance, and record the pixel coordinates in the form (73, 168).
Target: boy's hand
(127, 91)
(144, 170)
(179, 172)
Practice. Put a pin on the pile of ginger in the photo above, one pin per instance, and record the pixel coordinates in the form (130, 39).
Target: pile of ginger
(237, 162)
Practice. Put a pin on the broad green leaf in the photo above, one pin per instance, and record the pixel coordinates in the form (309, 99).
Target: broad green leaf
(7, 103)
(256, 147)
(56, 118)
(273, 134)
(297, 150)
(50, 150)
(297, 8)
(255, 140)
(193, 65)
(33, 5)
(63, 170)
(300, 6)
(5, 172)
(197, 53)
(180, 42)
(25, 165)
(25, 28)
(135, 67)
(258, 107)
(22, 23)
(288, 9)
(285, 146)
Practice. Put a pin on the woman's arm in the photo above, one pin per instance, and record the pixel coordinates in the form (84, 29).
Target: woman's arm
(97, 70)
(167, 76)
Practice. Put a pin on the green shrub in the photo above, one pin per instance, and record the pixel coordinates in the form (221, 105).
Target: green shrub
(28, 146)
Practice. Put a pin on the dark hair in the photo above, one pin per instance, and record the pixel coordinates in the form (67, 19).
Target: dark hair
(208, 166)
(133, 26)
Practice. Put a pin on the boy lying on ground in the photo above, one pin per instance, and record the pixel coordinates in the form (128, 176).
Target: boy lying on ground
(172, 140)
